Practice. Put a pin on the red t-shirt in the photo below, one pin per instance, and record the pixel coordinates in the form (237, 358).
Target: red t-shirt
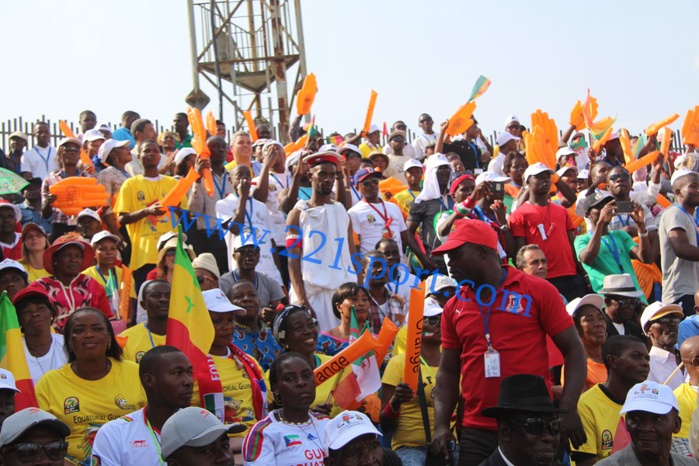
(13, 251)
(525, 221)
(519, 335)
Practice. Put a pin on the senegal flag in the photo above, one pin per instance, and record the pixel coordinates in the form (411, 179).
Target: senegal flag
(189, 328)
(12, 355)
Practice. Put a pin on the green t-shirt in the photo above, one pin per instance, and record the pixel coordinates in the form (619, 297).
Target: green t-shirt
(606, 263)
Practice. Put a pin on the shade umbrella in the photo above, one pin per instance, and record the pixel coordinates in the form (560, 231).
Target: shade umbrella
(10, 182)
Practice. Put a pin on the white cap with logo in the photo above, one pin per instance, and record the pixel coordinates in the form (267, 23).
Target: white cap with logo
(650, 397)
(345, 427)
(192, 427)
(216, 301)
(21, 421)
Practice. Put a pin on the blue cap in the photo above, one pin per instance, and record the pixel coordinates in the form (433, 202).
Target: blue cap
(363, 173)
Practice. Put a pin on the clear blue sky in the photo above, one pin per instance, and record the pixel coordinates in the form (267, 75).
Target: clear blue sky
(640, 58)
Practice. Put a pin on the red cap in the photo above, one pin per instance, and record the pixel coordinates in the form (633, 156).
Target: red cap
(468, 231)
(455, 184)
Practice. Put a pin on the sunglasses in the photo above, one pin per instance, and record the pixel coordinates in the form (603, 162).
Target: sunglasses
(170, 252)
(370, 181)
(536, 425)
(28, 451)
(627, 301)
(433, 320)
(204, 279)
(619, 176)
(667, 320)
(426, 120)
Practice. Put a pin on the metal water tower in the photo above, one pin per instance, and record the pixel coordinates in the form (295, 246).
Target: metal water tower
(246, 49)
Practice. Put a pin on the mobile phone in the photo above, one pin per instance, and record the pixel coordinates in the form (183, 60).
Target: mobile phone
(624, 206)
(498, 188)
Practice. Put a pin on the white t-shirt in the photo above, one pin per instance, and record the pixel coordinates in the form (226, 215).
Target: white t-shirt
(256, 214)
(54, 359)
(369, 225)
(408, 150)
(421, 141)
(39, 161)
(271, 442)
(127, 441)
(277, 183)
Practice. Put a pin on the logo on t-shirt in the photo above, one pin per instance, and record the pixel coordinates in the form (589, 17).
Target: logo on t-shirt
(139, 444)
(140, 196)
(96, 460)
(121, 403)
(370, 218)
(71, 405)
(139, 355)
(607, 440)
(292, 440)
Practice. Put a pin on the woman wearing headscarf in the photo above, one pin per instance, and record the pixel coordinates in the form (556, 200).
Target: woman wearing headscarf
(433, 200)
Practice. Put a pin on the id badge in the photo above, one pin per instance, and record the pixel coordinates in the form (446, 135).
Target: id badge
(478, 171)
(542, 232)
(492, 363)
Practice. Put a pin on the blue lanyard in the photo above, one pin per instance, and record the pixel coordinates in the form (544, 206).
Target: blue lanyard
(221, 189)
(486, 315)
(279, 182)
(236, 277)
(475, 153)
(410, 191)
(614, 251)
(451, 203)
(48, 157)
(354, 190)
(150, 335)
(621, 219)
(694, 221)
(249, 216)
(106, 279)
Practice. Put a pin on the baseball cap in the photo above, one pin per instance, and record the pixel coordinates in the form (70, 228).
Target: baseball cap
(19, 134)
(373, 128)
(345, 427)
(587, 300)
(598, 199)
(321, 157)
(456, 181)
(564, 151)
(432, 308)
(438, 282)
(260, 142)
(349, 148)
(240, 241)
(364, 173)
(658, 310)
(32, 226)
(164, 238)
(583, 174)
(491, 176)
(88, 213)
(104, 234)
(14, 207)
(505, 137)
(650, 397)
(192, 427)
(468, 231)
(107, 147)
(679, 174)
(93, 135)
(536, 168)
(7, 381)
(216, 301)
(12, 264)
(29, 292)
(21, 421)
(511, 119)
(562, 171)
(206, 261)
(395, 133)
(412, 163)
(183, 154)
(65, 141)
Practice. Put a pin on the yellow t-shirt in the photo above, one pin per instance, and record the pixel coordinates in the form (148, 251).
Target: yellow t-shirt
(600, 417)
(322, 391)
(237, 392)
(410, 431)
(34, 274)
(138, 342)
(366, 149)
(138, 193)
(687, 401)
(94, 273)
(399, 342)
(85, 405)
(405, 199)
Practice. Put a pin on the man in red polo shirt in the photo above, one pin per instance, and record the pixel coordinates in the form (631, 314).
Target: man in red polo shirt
(495, 327)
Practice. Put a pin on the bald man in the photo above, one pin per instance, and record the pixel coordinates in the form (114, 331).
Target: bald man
(686, 393)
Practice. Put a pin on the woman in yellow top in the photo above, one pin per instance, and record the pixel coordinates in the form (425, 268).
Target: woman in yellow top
(296, 331)
(592, 328)
(244, 384)
(96, 386)
(35, 242)
(106, 253)
(401, 411)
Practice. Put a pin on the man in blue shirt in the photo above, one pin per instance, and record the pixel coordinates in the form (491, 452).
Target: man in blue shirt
(124, 132)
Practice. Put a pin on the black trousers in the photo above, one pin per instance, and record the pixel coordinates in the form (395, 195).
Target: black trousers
(476, 445)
